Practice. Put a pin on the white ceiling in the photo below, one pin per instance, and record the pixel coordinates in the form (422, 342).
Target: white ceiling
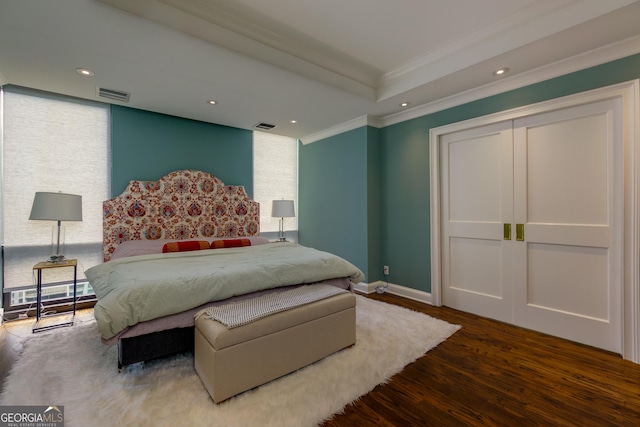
(322, 63)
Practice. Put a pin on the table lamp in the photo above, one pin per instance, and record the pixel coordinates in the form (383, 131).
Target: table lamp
(282, 209)
(56, 207)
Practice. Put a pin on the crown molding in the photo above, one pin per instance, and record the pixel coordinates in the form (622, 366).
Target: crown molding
(359, 122)
(622, 49)
(263, 40)
(242, 29)
(628, 47)
(528, 25)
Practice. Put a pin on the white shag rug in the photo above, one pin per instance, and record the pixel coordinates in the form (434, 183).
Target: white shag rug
(72, 368)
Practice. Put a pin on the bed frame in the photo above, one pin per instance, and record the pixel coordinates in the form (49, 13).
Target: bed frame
(186, 204)
(154, 345)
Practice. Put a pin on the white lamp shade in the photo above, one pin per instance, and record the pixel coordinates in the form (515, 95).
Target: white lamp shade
(56, 207)
(282, 209)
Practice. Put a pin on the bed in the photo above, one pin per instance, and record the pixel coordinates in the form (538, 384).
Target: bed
(181, 244)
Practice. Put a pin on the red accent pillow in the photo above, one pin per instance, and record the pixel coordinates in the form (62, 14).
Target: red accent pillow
(230, 243)
(189, 245)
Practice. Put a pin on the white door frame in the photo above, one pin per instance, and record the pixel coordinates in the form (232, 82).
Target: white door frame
(629, 93)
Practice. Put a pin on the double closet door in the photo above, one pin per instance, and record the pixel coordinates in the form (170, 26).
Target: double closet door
(532, 220)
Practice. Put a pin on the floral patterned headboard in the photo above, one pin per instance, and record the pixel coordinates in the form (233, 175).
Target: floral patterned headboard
(185, 204)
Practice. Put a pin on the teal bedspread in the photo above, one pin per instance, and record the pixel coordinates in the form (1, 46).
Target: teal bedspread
(141, 288)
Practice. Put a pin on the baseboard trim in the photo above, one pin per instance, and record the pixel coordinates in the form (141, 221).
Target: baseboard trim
(402, 291)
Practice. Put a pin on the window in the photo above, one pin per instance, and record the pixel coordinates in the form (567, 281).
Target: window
(275, 177)
(51, 143)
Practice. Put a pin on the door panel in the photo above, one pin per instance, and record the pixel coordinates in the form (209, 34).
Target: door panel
(568, 279)
(567, 270)
(475, 267)
(568, 171)
(477, 175)
(474, 179)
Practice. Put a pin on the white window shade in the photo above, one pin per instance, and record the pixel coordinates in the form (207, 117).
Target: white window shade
(52, 144)
(275, 177)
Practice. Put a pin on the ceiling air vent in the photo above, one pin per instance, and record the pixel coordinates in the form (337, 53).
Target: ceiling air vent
(264, 126)
(117, 95)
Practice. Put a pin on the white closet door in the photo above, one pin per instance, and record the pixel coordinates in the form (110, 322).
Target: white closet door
(568, 171)
(476, 167)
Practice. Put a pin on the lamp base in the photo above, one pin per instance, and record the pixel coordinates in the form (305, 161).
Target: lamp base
(57, 243)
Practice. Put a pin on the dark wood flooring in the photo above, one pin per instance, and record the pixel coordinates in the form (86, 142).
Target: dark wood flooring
(493, 374)
(487, 374)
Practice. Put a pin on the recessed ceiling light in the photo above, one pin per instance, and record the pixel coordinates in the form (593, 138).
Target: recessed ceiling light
(212, 102)
(85, 72)
(293, 121)
(405, 104)
(501, 71)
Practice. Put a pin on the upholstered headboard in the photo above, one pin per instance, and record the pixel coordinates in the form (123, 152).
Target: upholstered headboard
(185, 204)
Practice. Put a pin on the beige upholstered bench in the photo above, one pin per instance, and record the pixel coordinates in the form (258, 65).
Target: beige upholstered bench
(231, 361)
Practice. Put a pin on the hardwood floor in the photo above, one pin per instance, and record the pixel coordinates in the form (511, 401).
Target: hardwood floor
(487, 374)
(493, 374)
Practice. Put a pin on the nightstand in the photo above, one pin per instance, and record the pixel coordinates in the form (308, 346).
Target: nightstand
(44, 266)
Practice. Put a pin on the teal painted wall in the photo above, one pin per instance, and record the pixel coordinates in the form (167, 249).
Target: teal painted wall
(374, 203)
(332, 196)
(405, 208)
(146, 146)
(405, 165)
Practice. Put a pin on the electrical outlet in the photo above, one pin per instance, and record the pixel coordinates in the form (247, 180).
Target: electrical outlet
(22, 316)
(385, 270)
